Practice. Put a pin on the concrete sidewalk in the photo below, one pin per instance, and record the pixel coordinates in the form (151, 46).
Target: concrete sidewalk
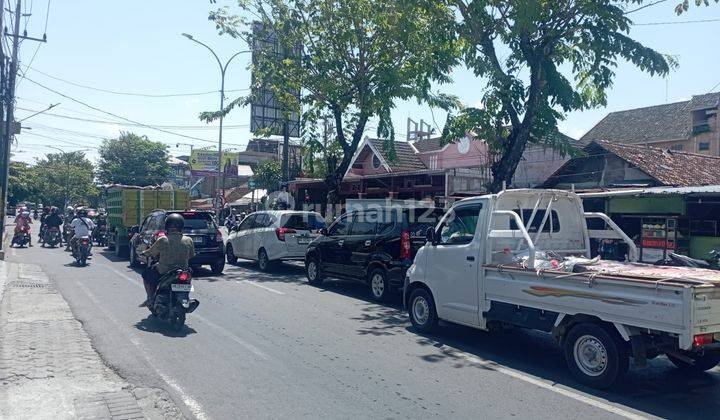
(48, 367)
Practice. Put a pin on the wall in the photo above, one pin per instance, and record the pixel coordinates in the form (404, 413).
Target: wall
(452, 158)
(537, 164)
(365, 158)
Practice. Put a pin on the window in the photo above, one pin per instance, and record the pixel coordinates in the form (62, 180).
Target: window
(419, 219)
(340, 227)
(260, 221)
(676, 147)
(553, 222)
(364, 223)
(458, 226)
(247, 223)
(704, 145)
(304, 221)
(376, 162)
(433, 162)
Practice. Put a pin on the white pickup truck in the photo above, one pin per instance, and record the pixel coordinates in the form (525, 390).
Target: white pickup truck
(521, 258)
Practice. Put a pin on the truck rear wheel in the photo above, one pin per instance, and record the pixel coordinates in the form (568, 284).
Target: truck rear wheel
(422, 311)
(595, 356)
(701, 363)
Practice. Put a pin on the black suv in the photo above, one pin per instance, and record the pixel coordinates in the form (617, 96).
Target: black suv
(199, 225)
(375, 246)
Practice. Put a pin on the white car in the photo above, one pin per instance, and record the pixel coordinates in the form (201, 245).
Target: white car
(271, 236)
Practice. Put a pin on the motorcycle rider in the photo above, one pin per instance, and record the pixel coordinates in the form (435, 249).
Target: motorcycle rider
(82, 226)
(44, 215)
(101, 221)
(53, 220)
(172, 251)
(23, 220)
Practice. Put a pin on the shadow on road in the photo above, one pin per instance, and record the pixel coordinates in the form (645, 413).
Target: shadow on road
(284, 272)
(154, 325)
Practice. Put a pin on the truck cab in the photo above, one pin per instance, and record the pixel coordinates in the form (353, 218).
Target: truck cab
(521, 258)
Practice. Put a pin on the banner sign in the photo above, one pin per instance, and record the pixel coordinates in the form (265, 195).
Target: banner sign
(205, 163)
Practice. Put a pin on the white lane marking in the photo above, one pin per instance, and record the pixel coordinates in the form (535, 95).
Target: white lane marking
(189, 401)
(551, 387)
(222, 330)
(256, 284)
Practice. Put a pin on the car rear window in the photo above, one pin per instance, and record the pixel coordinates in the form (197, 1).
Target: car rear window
(304, 221)
(419, 219)
(198, 221)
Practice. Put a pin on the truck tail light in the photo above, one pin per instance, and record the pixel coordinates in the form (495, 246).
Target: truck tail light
(280, 232)
(702, 339)
(405, 245)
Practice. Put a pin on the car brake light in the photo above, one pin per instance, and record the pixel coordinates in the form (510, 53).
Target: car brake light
(160, 234)
(85, 241)
(184, 276)
(218, 236)
(281, 232)
(702, 339)
(405, 245)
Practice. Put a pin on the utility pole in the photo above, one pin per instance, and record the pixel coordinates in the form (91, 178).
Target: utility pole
(9, 91)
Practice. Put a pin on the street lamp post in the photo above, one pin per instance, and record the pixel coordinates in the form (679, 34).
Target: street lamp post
(223, 68)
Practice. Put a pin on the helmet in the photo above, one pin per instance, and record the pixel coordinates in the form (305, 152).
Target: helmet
(70, 209)
(174, 221)
(82, 212)
(53, 210)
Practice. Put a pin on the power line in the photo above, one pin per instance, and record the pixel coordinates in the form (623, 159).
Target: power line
(678, 22)
(176, 127)
(47, 16)
(117, 116)
(644, 6)
(144, 95)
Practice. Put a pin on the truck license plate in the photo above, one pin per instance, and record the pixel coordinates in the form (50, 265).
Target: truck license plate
(181, 287)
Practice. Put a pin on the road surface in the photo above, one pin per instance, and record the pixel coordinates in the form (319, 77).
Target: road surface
(272, 346)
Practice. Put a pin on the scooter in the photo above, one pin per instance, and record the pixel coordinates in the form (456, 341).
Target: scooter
(172, 298)
(21, 237)
(100, 235)
(52, 237)
(81, 251)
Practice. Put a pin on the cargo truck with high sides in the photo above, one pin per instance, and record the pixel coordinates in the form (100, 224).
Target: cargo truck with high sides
(127, 207)
(522, 258)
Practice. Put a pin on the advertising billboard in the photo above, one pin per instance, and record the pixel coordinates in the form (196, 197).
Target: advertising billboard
(205, 163)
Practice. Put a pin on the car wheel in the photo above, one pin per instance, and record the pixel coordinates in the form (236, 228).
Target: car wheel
(701, 363)
(422, 311)
(595, 356)
(217, 267)
(133, 257)
(379, 286)
(230, 255)
(263, 260)
(312, 271)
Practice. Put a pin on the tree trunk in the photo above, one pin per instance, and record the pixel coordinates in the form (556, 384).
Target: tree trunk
(504, 169)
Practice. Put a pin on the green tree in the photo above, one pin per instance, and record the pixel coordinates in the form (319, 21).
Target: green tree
(133, 160)
(541, 60)
(268, 174)
(22, 185)
(62, 178)
(356, 58)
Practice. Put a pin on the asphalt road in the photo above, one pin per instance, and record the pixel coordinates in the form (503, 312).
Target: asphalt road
(272, 346)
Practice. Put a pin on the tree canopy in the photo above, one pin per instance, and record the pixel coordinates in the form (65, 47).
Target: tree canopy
(541, 60)
(268, 174)
(356, 58)
(133, 160)
(61, 176)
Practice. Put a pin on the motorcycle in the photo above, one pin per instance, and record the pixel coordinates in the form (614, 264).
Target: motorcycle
(81, 251)
(52, 237)
(68, 233)
(21, 237)
(100, 235)
(172, 298)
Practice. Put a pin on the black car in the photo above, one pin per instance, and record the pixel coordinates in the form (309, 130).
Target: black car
(199, 225)
(375, 246)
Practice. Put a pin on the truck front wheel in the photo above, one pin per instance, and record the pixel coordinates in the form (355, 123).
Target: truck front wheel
(595, 356)
(700, 363)
(422, 311)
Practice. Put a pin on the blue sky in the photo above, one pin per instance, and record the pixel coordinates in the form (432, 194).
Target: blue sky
(135, 46)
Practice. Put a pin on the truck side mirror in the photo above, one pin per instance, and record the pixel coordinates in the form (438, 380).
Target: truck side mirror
(430, 235)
